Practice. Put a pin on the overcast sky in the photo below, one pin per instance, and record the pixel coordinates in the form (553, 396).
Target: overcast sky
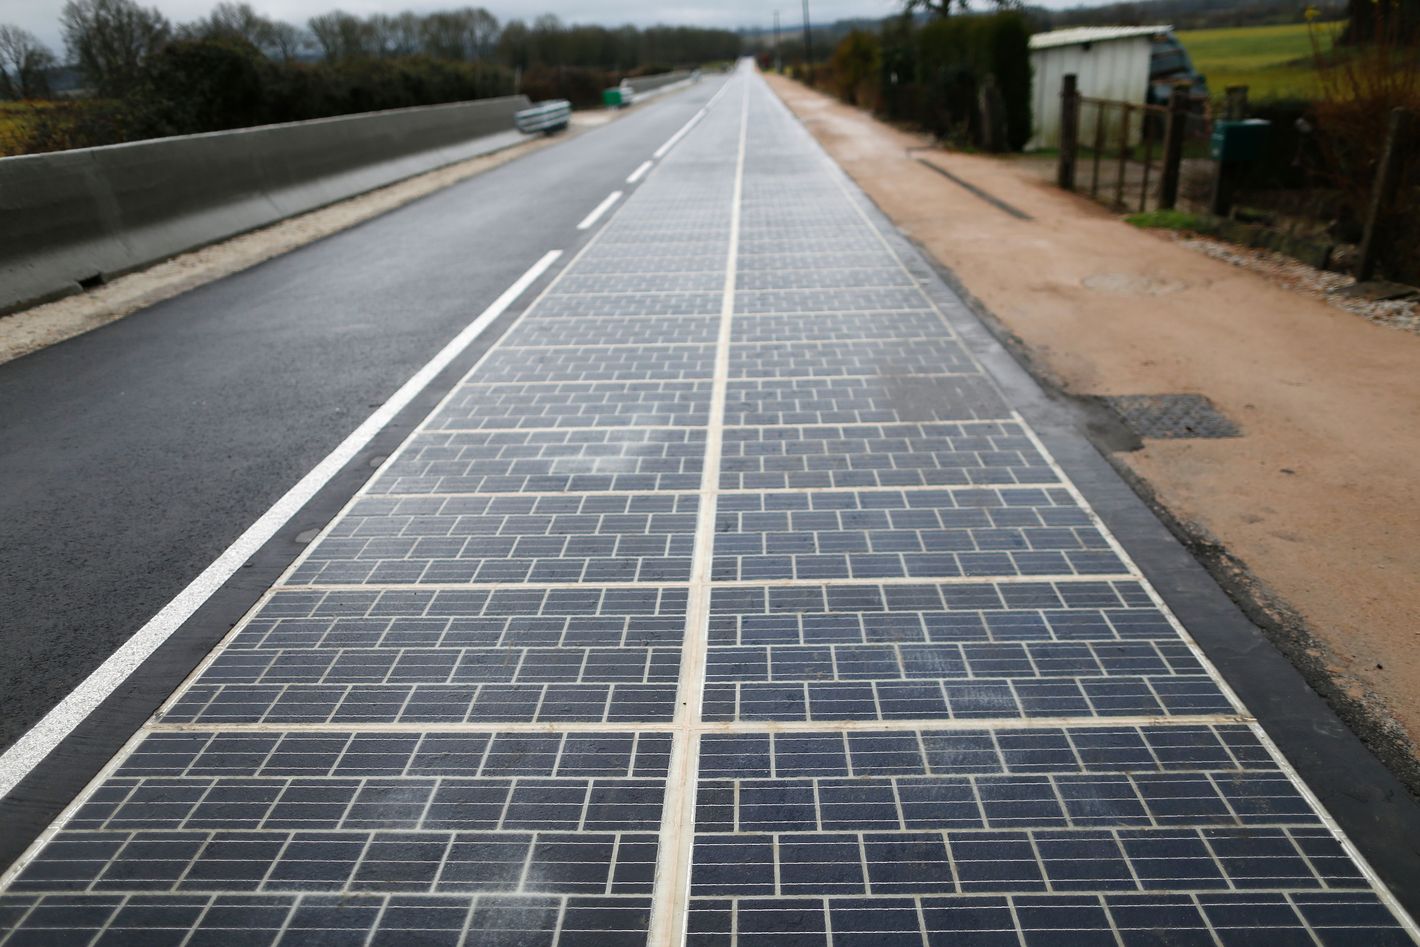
(41, 17)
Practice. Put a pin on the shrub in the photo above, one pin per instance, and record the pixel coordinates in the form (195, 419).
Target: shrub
(932, 75)
(223, 82)
(59, 125)
(954, 56)
(579, 85)
(856, 66)
(1359, 89)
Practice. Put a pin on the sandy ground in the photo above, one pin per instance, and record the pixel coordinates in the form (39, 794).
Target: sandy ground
(1315, 507)
(40, 326)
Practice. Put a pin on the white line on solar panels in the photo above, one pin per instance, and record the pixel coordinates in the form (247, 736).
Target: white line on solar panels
(1283, 763)
(726, 583)
(600, 209)
(755, 491)
(43, 737)
(640, 172)
(671, 896)
(684, 130)
(890, 725)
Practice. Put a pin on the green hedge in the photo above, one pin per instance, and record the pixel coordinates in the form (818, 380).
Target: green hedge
(216, 84)
(207, 85)
(932, 74)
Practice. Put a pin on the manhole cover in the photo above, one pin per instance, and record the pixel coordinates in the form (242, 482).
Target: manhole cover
(1172, 416)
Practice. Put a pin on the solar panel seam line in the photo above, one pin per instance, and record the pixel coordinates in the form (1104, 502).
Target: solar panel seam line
(733, 491)
(671, 892)
(905, 725)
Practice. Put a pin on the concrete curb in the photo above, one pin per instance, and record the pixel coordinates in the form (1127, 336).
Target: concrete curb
(83, 216)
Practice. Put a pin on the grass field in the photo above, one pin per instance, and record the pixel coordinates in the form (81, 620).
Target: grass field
(1274, 62)
(14, 126)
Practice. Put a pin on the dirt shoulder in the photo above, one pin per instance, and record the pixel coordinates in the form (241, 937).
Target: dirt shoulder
(1311, 518)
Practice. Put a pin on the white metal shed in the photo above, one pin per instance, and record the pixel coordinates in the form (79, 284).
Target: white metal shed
(1112, 62)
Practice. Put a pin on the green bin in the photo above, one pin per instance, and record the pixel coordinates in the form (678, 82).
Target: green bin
(1239, 141)
(611, 98)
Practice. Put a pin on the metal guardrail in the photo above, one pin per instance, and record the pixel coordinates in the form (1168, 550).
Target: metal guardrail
(549, 117)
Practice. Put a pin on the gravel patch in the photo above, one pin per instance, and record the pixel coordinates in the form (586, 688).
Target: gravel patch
(1308, 280)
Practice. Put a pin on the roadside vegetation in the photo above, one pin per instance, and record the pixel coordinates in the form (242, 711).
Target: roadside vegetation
(936, 74)
(142, 76)
(1326, 78)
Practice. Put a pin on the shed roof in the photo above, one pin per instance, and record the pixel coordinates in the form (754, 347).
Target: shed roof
(1079, 35)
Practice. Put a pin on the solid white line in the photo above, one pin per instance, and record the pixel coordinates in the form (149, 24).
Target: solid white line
(640, 172)
(684, 130)
(671, 895)
(43, 737)
(601, 208)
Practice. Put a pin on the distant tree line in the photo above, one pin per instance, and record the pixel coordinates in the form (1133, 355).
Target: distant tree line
(1184, 14)
(1181, 14)
(145, 76)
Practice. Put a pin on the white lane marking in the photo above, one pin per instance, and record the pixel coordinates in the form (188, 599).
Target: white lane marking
(894, 724)
(640, 172)
(43, 737)
(671, 895)
(660, 152)
(601, 208)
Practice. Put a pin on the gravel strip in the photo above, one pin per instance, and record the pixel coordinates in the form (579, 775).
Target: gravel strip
(1319, 284)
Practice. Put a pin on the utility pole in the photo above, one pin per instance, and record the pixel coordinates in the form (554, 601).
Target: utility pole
(808, 37)
(778, 63)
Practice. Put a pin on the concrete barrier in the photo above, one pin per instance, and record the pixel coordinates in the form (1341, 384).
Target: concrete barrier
(75, 218)
(642, 85)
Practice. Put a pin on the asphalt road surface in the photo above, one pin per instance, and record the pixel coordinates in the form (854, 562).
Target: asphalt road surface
(131, 456)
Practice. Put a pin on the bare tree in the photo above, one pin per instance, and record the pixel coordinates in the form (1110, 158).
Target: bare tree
(110, 39)
(287, 41)
(483, 31)
(947, 7)
(275, 39)
(23, 61)
(234, 19)
(398, 35)
(469, 33)
(342, 36)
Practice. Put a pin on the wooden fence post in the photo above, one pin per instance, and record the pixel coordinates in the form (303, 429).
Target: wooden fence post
(1225, 180)
(1383, 192)
(1098, 149)
(993, 115)
(1236, 108)
(1124, 152)
(1069, 131)
(1173, 147)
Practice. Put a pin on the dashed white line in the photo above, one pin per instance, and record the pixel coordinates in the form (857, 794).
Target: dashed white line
(640, 172)
(41, 739)
(600, 209)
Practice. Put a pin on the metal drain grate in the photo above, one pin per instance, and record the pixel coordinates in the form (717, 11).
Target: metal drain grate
(1172, 416)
